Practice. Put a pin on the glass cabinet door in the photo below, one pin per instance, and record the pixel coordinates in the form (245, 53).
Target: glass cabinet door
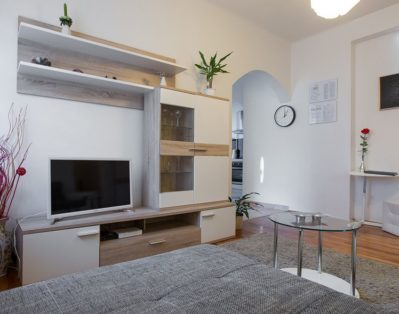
(177, 173)
(177, 123)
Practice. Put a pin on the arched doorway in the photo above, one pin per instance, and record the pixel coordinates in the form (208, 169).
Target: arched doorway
(256, 95)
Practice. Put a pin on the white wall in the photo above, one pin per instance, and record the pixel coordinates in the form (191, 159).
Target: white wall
(176, 28)
(325, 150)
(373, 58)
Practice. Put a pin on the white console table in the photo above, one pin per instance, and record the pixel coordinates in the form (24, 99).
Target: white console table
(366, 177)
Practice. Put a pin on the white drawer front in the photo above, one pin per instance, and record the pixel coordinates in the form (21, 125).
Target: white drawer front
(170, 199)
(52, 254)
(217, 224)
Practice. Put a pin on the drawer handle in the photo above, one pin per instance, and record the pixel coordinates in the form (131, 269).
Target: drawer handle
(87, 233)
(156, 242)
(198, 150)
(211, 214)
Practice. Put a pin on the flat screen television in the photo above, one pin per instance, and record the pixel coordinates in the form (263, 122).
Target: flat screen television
(79, 187)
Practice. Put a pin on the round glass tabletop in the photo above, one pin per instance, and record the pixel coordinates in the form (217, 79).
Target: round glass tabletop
(314, 221)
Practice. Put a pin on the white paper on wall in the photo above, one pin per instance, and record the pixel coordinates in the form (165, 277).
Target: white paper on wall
(323, 91)
(323, 112)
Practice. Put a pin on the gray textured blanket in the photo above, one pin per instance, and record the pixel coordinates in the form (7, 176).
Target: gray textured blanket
(201, 279)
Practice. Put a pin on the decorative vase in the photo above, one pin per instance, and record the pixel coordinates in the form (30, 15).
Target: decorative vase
(239, 220)
(5, 248)
(209, 91)
(65, 29)
(362, 166)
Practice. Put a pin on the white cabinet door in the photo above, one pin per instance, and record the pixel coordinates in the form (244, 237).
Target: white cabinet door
(212, 121)
(211, 175)
(217, 224)
(176, 98)
(51, 254)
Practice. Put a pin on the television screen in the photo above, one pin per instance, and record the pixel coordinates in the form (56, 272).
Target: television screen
(84, 186)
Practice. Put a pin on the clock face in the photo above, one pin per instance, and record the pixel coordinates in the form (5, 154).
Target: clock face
(284, 116)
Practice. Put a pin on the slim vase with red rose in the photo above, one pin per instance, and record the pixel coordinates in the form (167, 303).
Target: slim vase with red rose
(364, 147)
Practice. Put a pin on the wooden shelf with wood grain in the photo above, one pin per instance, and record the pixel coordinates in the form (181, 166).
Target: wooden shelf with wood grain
(74, 44)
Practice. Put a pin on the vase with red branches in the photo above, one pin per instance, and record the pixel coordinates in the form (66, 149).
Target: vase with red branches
(364, 135)
(12, 157)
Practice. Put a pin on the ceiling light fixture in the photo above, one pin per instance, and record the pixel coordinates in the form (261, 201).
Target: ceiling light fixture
(331, 9)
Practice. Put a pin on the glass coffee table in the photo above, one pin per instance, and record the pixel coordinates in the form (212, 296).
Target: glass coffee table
(320, 223)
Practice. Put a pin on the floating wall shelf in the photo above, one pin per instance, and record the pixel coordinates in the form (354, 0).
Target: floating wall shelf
(76, 44)
(51, 73)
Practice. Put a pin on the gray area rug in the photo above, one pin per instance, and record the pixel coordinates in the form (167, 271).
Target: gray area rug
(377, 282)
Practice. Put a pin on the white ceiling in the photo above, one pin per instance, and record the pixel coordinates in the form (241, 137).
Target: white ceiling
(294, 19)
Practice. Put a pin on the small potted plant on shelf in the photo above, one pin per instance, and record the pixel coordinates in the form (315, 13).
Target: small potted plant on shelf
(66, 21)
(11, 170)
(243, 206)
(210, 69)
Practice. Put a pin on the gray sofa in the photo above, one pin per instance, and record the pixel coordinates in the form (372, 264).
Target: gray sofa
(201, 279)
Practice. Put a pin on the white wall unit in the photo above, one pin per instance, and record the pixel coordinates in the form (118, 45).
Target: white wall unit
(52, 254)
(211, 178)
(75, 44)
(212, 121)
(176, 98)
(217, 224)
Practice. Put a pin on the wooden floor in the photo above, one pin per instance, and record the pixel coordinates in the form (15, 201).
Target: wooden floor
(373, 243)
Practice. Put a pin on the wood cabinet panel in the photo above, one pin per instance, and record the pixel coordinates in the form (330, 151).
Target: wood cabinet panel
(217, 224)
(52, 254)
(211, 178)
(212, 121)
(174, 148)
(211, 150)
(122, 250)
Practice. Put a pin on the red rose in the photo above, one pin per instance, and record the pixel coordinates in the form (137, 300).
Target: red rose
(21, 171)
(365, 131)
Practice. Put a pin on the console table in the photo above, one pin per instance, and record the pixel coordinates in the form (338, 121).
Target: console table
(366, 177)
(326, 224)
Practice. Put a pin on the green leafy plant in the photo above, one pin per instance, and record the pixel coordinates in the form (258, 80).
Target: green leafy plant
(65, 19)
(244, 204)
(212, 68)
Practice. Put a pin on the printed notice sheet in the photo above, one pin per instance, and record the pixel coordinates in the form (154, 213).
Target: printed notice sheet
(323, 112)
(323, 91)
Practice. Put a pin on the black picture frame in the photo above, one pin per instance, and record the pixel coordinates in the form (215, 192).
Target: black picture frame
(389, 92)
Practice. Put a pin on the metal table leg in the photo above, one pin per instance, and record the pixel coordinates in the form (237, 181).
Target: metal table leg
(300, 249)
(275, 264)
(354, 260)
(320, 252)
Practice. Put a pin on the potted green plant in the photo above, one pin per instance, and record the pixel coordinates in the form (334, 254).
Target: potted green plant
(210, 69)
(243, 206)
(66, 21)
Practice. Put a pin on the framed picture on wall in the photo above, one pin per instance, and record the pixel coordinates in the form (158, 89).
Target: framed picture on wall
(389, 91)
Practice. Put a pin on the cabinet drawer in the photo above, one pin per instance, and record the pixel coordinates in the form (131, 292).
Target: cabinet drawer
(176, 148)
(51, 254)
(217, 224)
(122, 250)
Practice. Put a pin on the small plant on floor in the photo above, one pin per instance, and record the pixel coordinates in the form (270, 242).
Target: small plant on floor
(244, 204)
(212, 68)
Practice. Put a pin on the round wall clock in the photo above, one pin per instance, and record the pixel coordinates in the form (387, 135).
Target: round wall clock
(284, 116)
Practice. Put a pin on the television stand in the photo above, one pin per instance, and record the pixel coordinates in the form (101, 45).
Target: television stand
(53, 248)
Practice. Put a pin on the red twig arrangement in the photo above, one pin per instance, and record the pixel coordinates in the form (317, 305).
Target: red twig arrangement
(11, 159)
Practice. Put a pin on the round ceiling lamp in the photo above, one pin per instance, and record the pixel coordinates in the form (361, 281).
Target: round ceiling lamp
(331, 9)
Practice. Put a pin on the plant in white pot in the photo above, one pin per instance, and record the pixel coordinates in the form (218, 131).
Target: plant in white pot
(243, 206)
(66, 21)
(12, 158)
(210, 69)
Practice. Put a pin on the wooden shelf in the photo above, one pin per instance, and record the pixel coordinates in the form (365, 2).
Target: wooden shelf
(51, 73)
(54, 39)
